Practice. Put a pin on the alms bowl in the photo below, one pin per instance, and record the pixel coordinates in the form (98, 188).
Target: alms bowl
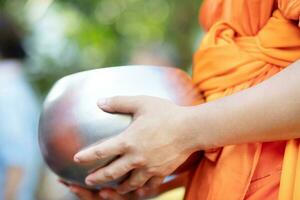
(70, 119)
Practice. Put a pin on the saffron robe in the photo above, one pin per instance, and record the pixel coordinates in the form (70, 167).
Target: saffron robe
(247, 42)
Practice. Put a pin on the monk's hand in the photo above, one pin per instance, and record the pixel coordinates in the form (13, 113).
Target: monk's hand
(152, 147)
(109, 194)
(105, 194)
(84, 194)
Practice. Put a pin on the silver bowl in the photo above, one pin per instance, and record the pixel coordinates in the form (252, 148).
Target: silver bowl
(71, 120)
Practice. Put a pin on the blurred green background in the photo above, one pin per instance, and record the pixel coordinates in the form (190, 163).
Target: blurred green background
(67, 36)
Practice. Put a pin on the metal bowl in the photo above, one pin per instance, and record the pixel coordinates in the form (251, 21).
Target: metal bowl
(71, 120)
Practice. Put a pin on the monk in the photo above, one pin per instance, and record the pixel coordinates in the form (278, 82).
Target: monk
(249, 127)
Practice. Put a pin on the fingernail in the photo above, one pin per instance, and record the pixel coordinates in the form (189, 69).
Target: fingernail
(121, 191)
(104, 195)
(89, 182)
(101, 102)
(76, 158)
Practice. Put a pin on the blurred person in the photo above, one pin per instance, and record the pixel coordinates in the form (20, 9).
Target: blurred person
(48, 188)
(19, 157)
(247, 67)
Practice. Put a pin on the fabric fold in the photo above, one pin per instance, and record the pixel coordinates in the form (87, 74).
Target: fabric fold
(248, 41)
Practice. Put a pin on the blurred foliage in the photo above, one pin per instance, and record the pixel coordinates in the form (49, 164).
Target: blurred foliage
(66, 36)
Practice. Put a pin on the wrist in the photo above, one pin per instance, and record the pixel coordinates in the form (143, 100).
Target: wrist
(203, 126)
(189, 129)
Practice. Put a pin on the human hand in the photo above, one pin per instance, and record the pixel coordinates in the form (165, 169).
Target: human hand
(85, 194)
(105, 194)
(109, 194)
(152, 147)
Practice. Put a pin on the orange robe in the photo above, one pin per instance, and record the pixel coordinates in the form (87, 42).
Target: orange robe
(247, 42)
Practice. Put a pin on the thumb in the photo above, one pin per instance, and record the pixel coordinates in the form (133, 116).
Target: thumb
(119, 104)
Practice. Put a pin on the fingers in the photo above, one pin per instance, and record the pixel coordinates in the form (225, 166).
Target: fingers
(83, 194)
(108, 194)
(137, 179)
(111, 147)
(119, 104)
(113, 171)
(105, 194)
(150, 189)
(155, 182)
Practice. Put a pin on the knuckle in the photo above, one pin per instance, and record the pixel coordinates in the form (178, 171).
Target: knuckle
(126, 168)
(109, 175)
(99, 154)
(152, 171)
(146, 173)
(133, 184)
(125, 146)
(139, 162)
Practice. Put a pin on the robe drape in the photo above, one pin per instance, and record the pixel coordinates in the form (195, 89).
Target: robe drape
(247, 42)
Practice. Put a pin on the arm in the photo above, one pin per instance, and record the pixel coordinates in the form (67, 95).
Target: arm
(269, 111)
(19, 149)
(12, 181)
(163, 135)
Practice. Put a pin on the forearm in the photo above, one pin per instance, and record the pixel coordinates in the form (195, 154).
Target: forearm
(14, 176)
(269, 111)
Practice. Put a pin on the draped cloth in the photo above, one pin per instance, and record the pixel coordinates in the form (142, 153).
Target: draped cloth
(247, 42)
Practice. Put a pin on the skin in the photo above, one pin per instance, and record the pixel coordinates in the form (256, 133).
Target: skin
(84, 194)
(163, 134)
(146, 192)
(14, 177)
